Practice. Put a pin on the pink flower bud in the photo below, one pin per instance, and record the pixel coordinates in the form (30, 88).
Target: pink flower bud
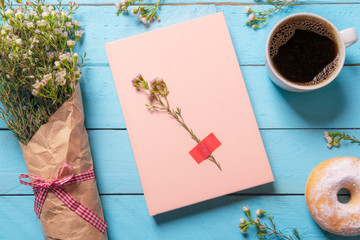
(247, 9)
(251, 17)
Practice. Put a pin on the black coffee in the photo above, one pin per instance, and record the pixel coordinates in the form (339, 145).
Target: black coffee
(304, 51)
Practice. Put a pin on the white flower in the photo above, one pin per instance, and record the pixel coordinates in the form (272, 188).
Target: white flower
(328, 139)
(57, 31)
(70, 43)
(31, 13)
(329, 145)
(257, 220)
(68, 25)
(76, 23)
(35, 92)
(148, 93)
(262, 228)
(3, 32)
(243, 230)
(245, 208)
(57, 64)
(45, 15)
(50, 55)
(251, 17)
(247, 9)
(144, 20)
(47, 77)
(37, 84)
(30, 25)
(19, 42)
(19, 15)
(11, 56)
(61, 80)
(62, 73)
(258, 212)
(41, 23)
(79, 33)
(336, 144)
(37, 31)
(8, 28)
(242, 220)
(9, 13)
(133, 12)
(118, 6)
(64, 35)
(63, 57)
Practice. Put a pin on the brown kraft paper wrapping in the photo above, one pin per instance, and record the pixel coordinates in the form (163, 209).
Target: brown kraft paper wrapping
(64, 140)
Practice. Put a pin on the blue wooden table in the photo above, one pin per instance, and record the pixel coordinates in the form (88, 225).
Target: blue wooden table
(291, 126)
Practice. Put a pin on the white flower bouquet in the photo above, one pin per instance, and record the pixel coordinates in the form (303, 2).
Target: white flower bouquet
(41, 104)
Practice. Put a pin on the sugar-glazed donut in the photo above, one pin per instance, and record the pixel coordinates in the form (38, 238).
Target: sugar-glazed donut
(321, 190)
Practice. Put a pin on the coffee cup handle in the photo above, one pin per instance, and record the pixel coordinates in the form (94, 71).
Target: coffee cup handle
(349, 36)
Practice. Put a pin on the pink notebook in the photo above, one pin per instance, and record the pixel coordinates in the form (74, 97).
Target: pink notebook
(198, 62)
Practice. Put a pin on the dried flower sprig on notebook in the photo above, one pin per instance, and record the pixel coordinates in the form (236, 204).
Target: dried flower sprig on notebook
(157, 92)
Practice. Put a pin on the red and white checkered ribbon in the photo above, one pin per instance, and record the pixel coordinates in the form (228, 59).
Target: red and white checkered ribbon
(41, 188)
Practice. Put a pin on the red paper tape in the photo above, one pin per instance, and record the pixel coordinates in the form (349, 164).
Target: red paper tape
(204, 148)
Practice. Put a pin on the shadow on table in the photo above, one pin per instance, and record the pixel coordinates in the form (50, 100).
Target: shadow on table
(320, 106)
(192, 210)
(210, 205)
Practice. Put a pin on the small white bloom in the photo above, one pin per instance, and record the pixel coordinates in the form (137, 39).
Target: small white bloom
(262, 228)
(31, 13)
(50, 55)
(47, 77)
(64, 35)
(9, 13)
(144, 20)
(79, 33)
(41, 23)
(68, 25)
(251, 17)
(19, 42)
(147, 92)
(336, 144)
(63, 57)
(57, 31)
(242, 220)
(70, 43)
(37, 31)
(30, 25)
(245, 208)
(328, 139)
(35, 92)
(326, 133)
(329, 145)
(247, 9)
(57, 64)
(258, 212)
(19, 15)
(37, 84)
(257, 220)
(133, 12)
(8, 28)
(76, 23)
(45, 15)
(118, 5)
(3, 32)
(62, 73)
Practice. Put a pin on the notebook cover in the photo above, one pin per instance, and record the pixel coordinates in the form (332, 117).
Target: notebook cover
(198, 62)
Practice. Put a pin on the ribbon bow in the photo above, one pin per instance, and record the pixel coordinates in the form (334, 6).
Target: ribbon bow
(41, 187)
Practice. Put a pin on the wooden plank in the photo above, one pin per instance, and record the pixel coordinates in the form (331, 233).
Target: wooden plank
(127, 218)
(227, 2)
(292, 155)
(335, 106)
(102, 25)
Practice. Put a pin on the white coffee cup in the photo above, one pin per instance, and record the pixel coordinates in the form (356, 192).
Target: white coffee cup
(344, 39)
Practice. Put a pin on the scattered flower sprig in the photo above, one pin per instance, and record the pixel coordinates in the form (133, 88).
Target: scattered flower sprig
(146, 14)
(157, 92)
(263, 230)
(39, 68)
(259, 18)
(334, 138)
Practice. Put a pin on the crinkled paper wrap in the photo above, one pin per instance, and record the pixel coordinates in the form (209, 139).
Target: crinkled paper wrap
(64, 140)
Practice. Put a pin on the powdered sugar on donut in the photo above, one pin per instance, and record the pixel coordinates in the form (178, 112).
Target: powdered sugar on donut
(321, 195)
